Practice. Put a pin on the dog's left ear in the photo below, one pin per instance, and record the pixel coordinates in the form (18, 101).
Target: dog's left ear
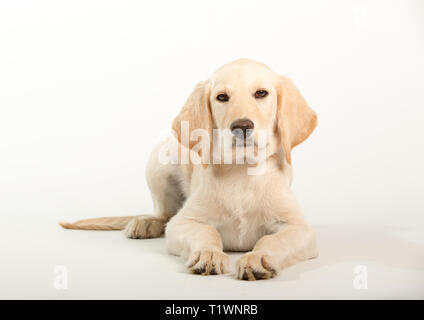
(296, 120)
(196, 112)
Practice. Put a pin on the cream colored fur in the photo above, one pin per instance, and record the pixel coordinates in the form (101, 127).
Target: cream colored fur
(209, 209)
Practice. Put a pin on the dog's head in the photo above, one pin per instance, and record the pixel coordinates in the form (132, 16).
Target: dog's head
(244, 99)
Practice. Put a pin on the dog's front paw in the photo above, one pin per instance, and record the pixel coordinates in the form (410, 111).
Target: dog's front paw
(144, 227)
(208, 262)
(256, 266)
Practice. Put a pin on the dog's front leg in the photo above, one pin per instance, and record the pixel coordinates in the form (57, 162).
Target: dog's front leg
(273, 252)
(199, 242)
(293, 242)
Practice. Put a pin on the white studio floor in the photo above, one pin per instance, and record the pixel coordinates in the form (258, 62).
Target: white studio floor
(106, 265)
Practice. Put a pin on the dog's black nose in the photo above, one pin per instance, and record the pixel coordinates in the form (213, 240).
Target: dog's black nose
(242, 128)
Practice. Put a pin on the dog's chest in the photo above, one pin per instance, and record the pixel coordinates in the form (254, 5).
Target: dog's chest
(247, 214)
(243, 195)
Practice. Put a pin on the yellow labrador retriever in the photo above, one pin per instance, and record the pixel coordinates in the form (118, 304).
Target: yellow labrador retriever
(211, 206)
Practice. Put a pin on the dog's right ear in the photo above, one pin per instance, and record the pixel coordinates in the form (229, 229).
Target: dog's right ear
(196, 113)
(296, 120)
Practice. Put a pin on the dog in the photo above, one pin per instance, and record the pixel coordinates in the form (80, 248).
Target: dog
(206, 208)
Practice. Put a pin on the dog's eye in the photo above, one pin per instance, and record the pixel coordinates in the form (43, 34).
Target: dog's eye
(261, 94)
(222, 97)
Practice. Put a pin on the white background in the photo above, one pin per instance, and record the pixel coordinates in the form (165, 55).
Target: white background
(87, 88)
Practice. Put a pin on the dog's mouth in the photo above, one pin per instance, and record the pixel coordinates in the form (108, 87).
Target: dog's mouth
(243, 142)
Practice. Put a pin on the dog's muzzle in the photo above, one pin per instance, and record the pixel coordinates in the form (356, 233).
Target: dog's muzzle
(242, 130)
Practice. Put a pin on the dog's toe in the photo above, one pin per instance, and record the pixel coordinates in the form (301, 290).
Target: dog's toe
(208, 262)
(256, 266)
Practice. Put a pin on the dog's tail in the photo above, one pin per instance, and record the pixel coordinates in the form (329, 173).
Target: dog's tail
(104, 223)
